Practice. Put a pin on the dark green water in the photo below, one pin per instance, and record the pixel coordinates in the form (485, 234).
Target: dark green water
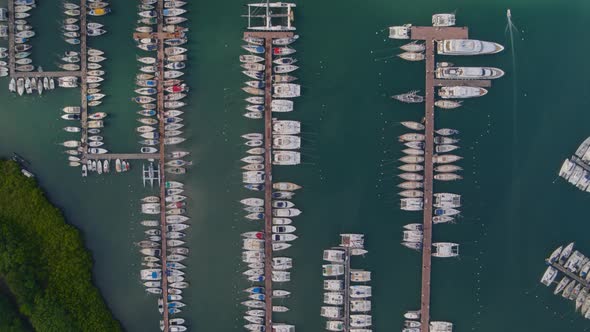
(515, 210)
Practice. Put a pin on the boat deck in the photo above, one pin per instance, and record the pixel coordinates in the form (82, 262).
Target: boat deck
(475, 83)
(268, 36)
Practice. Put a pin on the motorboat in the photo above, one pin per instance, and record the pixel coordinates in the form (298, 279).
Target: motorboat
(468, 73)
(467, 47)
(447, 177)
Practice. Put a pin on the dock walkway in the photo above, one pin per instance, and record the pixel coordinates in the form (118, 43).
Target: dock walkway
(430, 35)
(570, 274)
(11, 32)
(268, 37)
(160, 111)
(83, 70)
(346, 289)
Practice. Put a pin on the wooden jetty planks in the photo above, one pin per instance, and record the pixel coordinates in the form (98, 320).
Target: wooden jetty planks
(430, 35)
(161, 110)
(268, 183)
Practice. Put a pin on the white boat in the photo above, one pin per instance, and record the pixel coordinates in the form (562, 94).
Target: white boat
(400, 32)
(445, 249)
(286, 90)
(411, 56)
(286, 158)
(467, 47)
(447, 92)
(360, 291)
(413, 47)
(468, 73)
(443, 20)
(413, 125)
(549, 276)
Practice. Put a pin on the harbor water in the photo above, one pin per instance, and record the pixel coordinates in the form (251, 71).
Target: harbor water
(513, 142)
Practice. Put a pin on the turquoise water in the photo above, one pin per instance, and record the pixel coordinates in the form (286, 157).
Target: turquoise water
(515, 210)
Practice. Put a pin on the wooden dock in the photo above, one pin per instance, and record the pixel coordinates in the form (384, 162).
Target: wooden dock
(346, 288)
(430, 35)
(569, 273)
(268, 37)
(38, 74)
(83, 70)
(130, 156)
(160, 111)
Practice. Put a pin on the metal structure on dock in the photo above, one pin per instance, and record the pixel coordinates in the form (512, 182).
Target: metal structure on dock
(284, 14)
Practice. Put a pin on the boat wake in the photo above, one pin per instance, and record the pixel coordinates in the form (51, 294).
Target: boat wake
(511, 28)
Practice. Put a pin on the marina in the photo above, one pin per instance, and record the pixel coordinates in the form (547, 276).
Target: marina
(419, 194)
(575, 284)
(162, 255)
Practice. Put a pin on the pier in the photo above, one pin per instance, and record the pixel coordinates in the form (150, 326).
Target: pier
(160, 113)
(430, 35)
(568, 273)
(83, 72)
(130, 156)
(346, 289)
(268, 37)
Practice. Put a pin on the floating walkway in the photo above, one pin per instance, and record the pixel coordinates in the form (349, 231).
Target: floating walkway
(268, 36)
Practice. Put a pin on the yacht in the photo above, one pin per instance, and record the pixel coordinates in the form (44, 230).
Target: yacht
(360, 320)
(331, 312)
(332, 270)
(286, 158)
(334, 285)
(360, 291)
(360, 276)
(443, 20)
(286, 90)
(445, 249)
(447, 104)
(333, 255)
(334, 325)
(400, 32)
(360, 305)
(467, 47)
(334, 298)
(565, 253)
(549, 276)
(447, 92)
(411, 56)
(287, 127)
(468, 73)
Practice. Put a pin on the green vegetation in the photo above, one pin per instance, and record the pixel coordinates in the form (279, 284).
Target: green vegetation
(9, 320)
(44, 262)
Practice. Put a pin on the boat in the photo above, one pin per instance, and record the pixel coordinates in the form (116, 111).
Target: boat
(413, 47)
(445, 249)
(412, 56)
(250, 58)
(467, 47)
(413, 125)
(446, 131)
(411, 97)
(412, 137)
(447, 177)
(282, 50)
(549, 276)
(411, 167)
(461, 92)
(257, 49)
(468, 73)
(445, 159)
(447, 168)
